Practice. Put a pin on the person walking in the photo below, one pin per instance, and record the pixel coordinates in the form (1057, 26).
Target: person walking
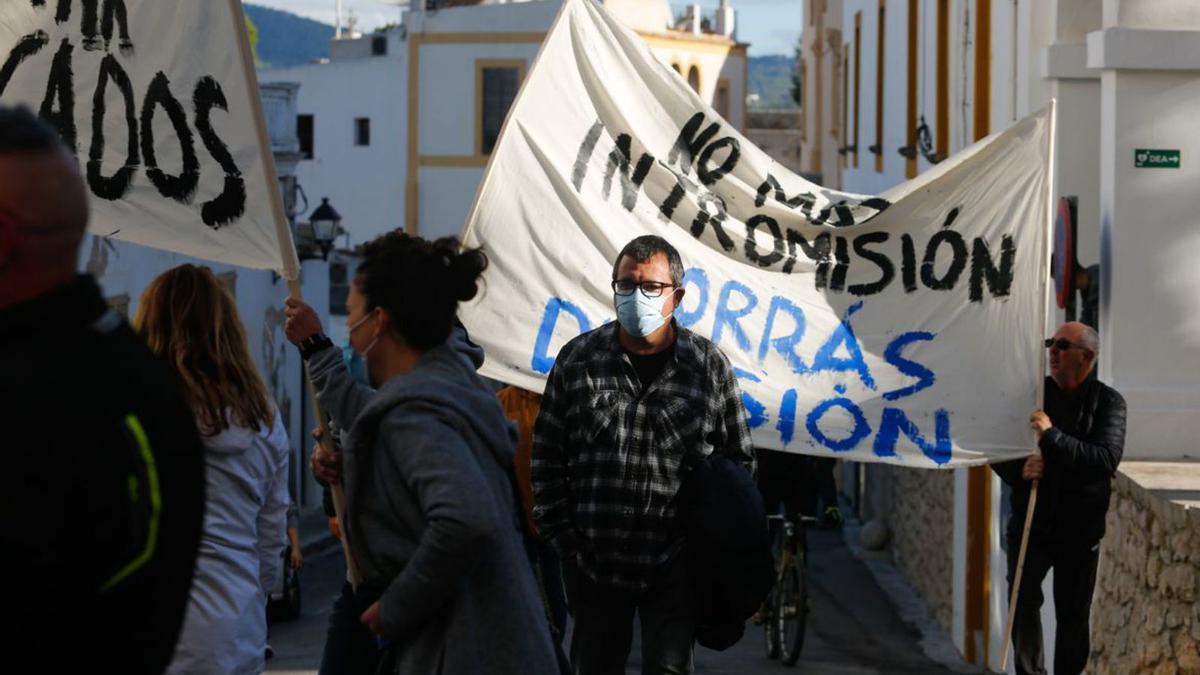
(192, 324)
(629, 410)
(105, 493)
(432, 516)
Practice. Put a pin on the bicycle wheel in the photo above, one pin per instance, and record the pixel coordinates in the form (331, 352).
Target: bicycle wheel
(791, 613)
(770, 630)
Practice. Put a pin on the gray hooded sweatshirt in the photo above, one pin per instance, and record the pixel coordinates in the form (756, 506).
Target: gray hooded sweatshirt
(431, 514)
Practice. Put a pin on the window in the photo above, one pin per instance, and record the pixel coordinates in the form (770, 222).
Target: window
(910, 132)
(339, 287)
(379, 45)
(857, 80)
(803, 108)
(304, 130)
(983, 68)
(845, 131)
(881, 33)
(943, 79)
(497, 85)
(362, 131)
(694, 79)
(721, 100)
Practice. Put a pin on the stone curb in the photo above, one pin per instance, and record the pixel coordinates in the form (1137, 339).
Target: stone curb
(934, 643)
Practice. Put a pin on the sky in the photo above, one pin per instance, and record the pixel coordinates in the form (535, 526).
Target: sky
(770, 26)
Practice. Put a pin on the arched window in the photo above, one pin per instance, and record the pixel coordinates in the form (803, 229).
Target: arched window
(677, 68)
(694, 78)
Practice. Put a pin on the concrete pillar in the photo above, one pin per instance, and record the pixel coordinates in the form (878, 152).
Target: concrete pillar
(726, 20)
(1149, 55)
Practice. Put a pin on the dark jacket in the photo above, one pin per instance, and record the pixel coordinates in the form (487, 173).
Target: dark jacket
(432, 516)
(1082, 451)
(728, 548)
(104, 498)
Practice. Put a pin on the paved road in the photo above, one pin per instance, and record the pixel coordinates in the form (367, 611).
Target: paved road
(852, 627)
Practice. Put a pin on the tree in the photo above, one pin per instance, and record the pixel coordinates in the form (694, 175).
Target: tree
(797, 85)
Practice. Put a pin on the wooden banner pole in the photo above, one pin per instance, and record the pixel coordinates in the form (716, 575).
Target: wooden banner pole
(288, 258)
(1017, 573)
(1047, 234)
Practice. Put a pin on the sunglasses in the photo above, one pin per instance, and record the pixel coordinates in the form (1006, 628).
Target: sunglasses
(1063, 344)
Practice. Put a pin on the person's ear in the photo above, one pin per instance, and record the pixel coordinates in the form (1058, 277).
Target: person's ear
(679, 292)
(383, 321)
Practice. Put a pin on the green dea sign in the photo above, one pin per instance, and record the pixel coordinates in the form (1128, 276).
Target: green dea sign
(1155, 159)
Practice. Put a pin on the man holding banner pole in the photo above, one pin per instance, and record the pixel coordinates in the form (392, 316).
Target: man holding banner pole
(1081, 436)
(628, 409)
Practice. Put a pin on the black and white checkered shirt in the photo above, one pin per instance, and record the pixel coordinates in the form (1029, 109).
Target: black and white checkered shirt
(609, 456)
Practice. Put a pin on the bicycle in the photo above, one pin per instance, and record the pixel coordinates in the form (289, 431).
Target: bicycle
(786, 606)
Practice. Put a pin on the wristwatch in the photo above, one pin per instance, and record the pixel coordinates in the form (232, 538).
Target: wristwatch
(313, 344)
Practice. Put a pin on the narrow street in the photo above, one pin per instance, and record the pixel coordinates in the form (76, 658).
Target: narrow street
(852, 626)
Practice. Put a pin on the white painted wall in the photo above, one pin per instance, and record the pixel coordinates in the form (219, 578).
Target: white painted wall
(447, 93)
(365, 184)
(446, 198)
(1151, 342)
(510, 17)
(865, 179)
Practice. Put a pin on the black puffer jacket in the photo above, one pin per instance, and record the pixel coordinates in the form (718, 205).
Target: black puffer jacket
(1082, 451)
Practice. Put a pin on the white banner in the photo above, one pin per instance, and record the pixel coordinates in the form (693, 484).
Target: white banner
(902, 328)
(157, 102)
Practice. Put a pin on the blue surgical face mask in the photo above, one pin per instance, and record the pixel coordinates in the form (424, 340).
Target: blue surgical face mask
(638, 315)
(356, 364)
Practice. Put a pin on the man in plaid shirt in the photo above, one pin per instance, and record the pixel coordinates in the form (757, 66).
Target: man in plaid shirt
(629, 409)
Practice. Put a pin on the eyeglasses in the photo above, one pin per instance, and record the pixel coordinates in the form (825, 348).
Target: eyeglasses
(650, 289)
(1063, 344)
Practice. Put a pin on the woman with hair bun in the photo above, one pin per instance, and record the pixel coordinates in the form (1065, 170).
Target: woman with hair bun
(431, 515)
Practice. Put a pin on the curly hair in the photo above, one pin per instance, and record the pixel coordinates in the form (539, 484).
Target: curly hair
(419, 283)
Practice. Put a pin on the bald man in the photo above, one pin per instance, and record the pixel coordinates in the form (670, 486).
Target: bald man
(1081, 436)
(104, 500)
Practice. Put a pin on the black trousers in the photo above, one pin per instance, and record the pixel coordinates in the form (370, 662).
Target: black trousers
(1074, 581)
(603, 634)
(350, 647)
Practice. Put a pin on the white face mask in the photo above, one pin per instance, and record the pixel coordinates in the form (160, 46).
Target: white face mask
(638, 315)
(353, 328)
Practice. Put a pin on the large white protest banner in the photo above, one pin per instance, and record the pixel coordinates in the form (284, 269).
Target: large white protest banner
(157, 101)
(903, 328)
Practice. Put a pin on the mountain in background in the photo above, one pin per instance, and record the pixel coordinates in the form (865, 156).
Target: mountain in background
(771, 79)
(285, 39)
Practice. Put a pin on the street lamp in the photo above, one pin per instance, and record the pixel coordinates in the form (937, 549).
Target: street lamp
(325, 221)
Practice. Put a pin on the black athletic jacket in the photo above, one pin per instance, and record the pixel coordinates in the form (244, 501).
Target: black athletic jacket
(103, 491)
(1082, 451)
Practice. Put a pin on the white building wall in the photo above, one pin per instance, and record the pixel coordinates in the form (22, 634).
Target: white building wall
(364, 183)
(451, 42)
(865, 178)
(446, 198)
